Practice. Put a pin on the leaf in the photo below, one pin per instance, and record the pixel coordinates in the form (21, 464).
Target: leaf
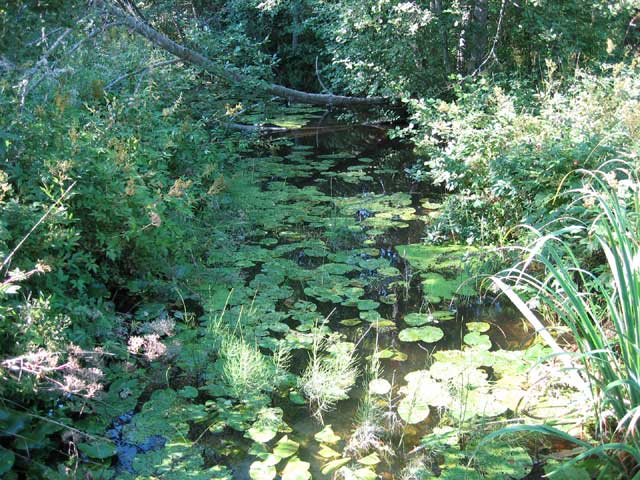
(296, 398)
(426, 334)
(369, 460)
(261, 471)
(418, 319)
(327, 452)
(365, 474)
(413, 409)
(98, 449)
(296, 469)
(334, 465)
(379, 386)
(285, 447)
(477, 340)
(326, 435)
(7, 458)
(480, 327)
(267, 425)
(188, 392)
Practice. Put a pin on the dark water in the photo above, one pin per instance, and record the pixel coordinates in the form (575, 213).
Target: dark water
(387, 172)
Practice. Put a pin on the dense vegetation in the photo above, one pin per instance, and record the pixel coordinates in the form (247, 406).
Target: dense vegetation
(182, 297)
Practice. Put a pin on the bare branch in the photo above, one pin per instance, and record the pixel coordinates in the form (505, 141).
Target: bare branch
(144, 69)
(196, 58)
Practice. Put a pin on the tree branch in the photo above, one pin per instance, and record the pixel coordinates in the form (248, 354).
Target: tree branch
(195, 58)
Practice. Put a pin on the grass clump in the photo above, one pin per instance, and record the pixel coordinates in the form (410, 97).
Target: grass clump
(601, 307)
(329, 376)
(246, 371)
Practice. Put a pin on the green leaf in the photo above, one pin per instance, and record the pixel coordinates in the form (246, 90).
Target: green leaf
(98, 449)
(369, 460)
(379, 386)
(326, 435)
(285, 447)
(261, 471)
(418, 319)
(7, 458)
(296, 469)
(334, 465)
(426, 334)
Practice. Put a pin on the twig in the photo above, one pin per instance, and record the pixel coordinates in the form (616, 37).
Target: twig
(141, 70)
(37, 224)
(324, 87)
(492, 52)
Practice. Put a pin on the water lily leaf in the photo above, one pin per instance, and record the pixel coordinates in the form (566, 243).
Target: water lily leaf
(285, 447)
(261, 471)
(350, 322)
(480, 327)
(365, 474)
(477, 340)
(383, 323)
(389, 299)
(327, 452)
(98, 449)
(418, 319)
(413, 409)
(370, 460)
(370, 316)
(437, 288)
(326, 435)
(561, 472)
(443, 315)
(267, 425)
(188, 392)
(334, 465)
(504, 461)
(367, 305)
(426, 334)
(379, 386)
(296, 469)
(296, 398)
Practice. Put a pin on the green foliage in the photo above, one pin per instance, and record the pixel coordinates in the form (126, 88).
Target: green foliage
(330, 374)
(601, 309)
(504, 152)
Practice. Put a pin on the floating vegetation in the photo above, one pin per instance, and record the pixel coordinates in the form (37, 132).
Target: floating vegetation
(303, 283)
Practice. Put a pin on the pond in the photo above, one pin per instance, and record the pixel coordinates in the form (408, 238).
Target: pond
(334, 341)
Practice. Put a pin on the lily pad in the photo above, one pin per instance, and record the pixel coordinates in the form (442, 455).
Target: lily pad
(334, 465)
(350, 322)
(326, 435)
(285, 447)
(327, 452)
(418, 319)
(477, 340)
(379, 386)
(413, 409)
(426, 334)
(369, 460)
(480, 327)
(296, 469)
(267, 425)
(261, 471)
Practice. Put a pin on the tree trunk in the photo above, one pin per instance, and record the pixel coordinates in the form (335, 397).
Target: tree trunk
(436, 9)
(195, 58)
(465, 22)
(480, 34)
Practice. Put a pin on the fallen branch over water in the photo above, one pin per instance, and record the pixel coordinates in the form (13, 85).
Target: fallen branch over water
(195, 58)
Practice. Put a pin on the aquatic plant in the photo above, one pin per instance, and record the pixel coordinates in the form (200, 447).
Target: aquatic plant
(246, 371)
(602, 309)
(330, 374)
